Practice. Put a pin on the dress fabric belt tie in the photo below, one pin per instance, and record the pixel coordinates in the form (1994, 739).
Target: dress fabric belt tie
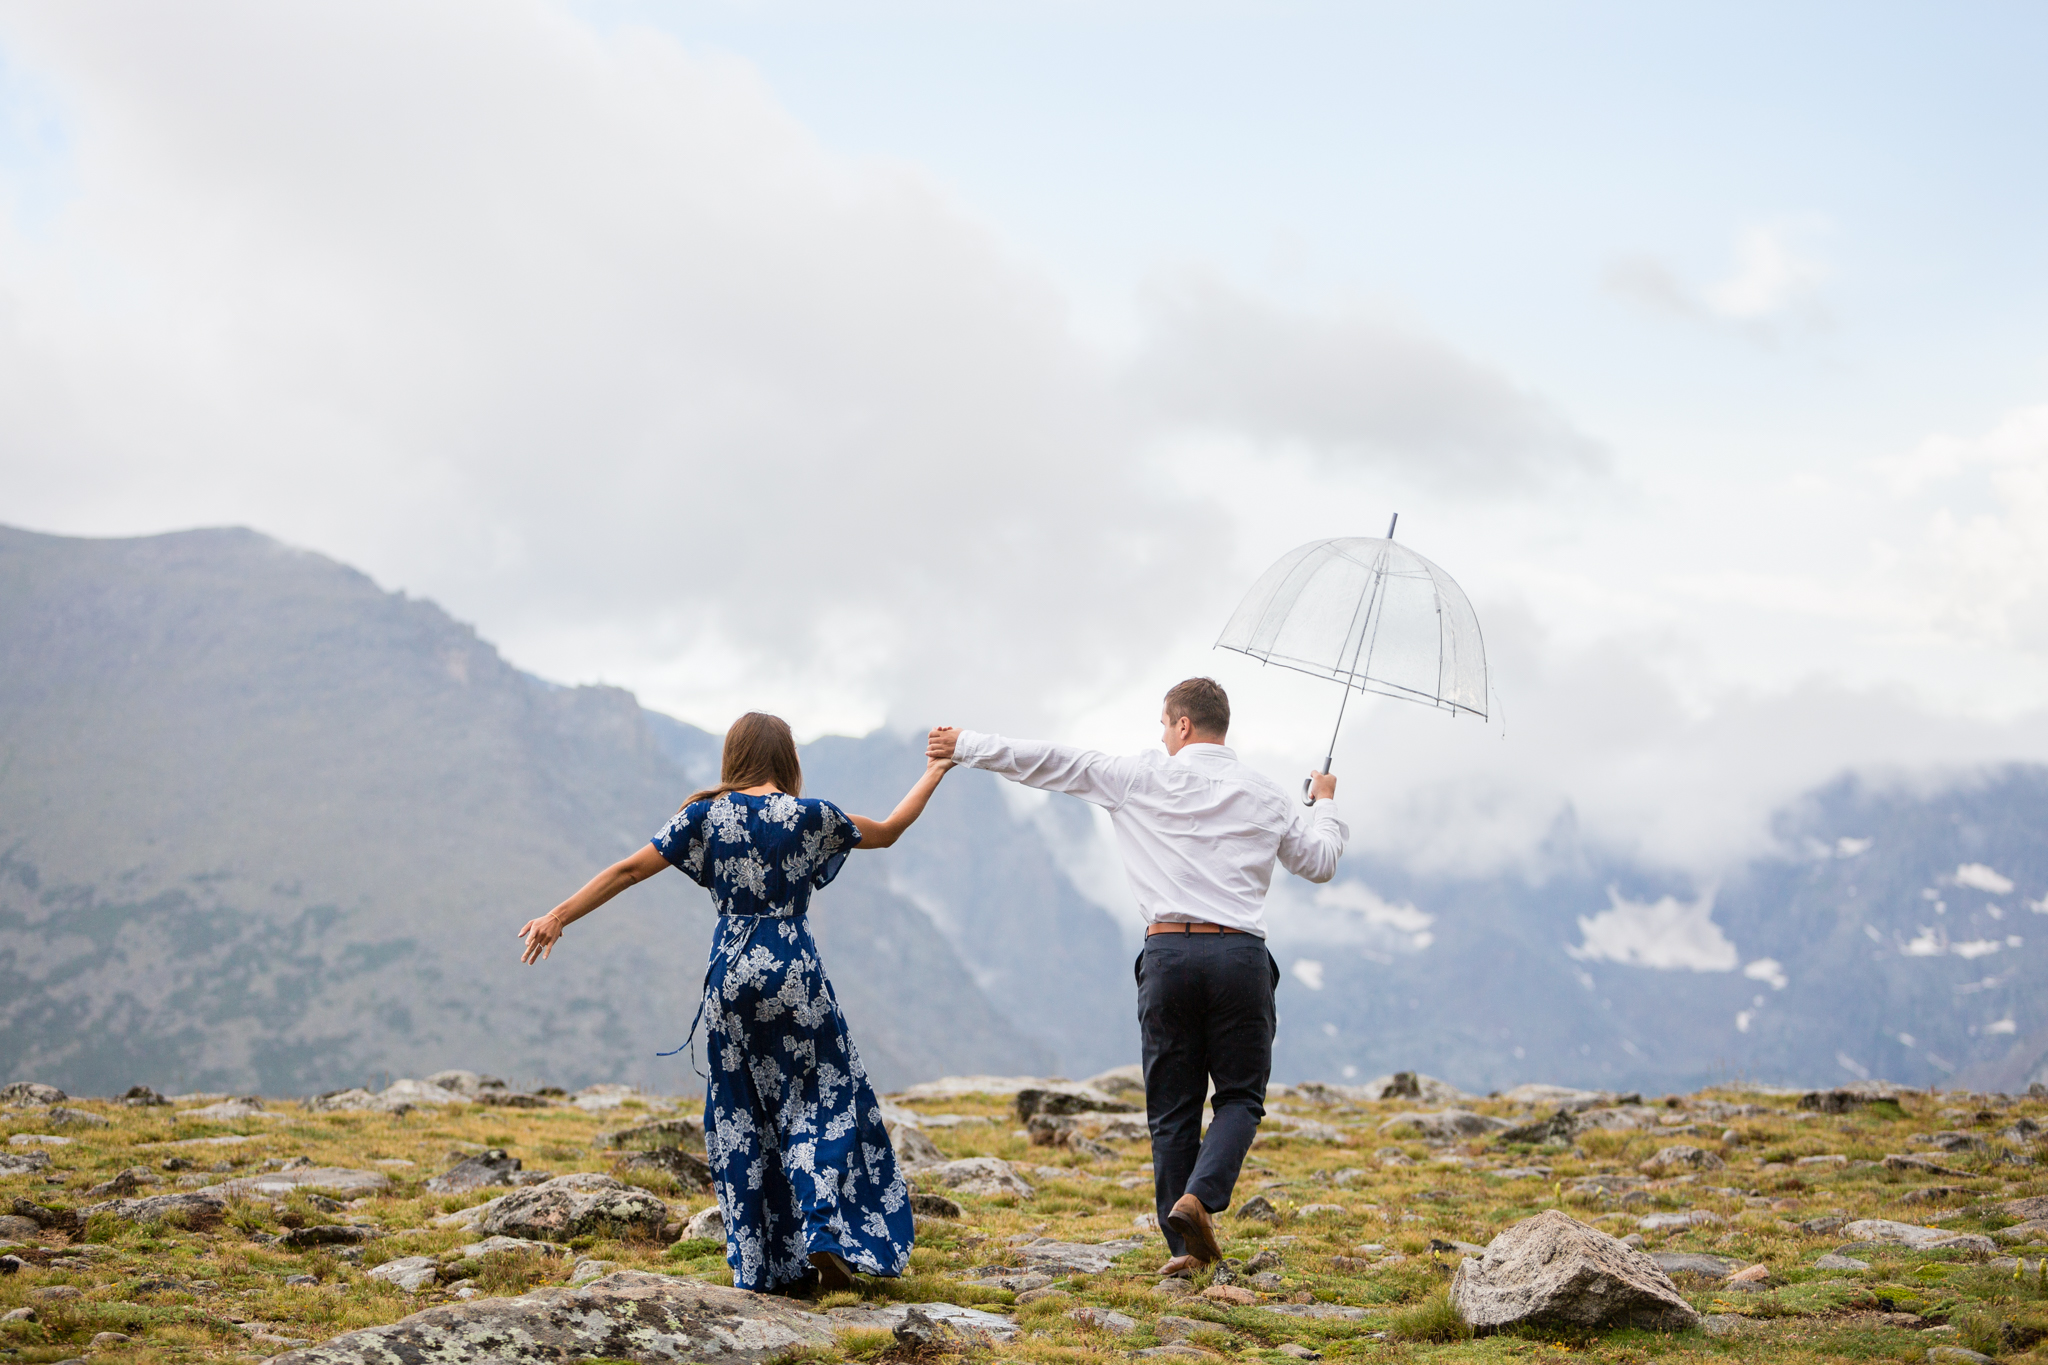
(731, 947)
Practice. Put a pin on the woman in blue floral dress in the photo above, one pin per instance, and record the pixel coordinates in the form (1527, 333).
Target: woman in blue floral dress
(806, 1177)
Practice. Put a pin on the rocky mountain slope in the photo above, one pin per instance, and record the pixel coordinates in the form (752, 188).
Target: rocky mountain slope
(264, 825)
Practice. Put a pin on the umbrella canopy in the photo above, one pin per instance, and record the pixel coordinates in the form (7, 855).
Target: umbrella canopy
(1368, 613)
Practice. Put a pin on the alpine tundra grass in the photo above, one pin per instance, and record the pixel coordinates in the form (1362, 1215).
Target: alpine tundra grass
(1360, 1210)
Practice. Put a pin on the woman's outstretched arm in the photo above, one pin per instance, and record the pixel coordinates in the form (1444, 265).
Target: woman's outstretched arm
(540, 934)
(882, 833)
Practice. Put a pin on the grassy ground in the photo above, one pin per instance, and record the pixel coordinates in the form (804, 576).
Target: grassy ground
(232, 1292)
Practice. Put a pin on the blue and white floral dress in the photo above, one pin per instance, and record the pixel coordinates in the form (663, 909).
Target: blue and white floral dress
(793, 1131)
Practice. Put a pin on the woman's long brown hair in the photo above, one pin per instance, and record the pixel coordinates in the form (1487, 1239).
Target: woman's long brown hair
(758, 749)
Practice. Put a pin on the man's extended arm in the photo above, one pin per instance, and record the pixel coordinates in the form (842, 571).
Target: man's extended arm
(1097, 778)
(1314, 842)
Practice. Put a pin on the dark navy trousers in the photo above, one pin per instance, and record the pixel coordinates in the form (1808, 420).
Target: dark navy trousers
(1205, 1011)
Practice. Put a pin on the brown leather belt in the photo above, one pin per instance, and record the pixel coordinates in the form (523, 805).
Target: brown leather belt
(1189, 927)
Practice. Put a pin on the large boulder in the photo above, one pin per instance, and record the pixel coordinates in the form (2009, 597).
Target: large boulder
(1554, 1270)
(578, 1205)
(466, 1083)
(688, 1169)
(631, 1315)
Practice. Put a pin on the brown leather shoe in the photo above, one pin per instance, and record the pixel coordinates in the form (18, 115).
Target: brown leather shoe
(1179, 1265)
(1191, 1221)
(833, 1273)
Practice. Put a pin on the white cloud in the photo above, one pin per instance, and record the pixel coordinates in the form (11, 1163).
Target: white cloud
(1308, 972)
(1774, 277)
(1666, 934)
(1982, 878)
(1768, 969)
(2002, 1026)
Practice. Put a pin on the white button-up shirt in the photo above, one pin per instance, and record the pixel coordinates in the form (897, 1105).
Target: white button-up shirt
(1199, 831)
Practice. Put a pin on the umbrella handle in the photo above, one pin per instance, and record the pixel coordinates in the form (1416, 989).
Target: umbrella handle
(1306, 783)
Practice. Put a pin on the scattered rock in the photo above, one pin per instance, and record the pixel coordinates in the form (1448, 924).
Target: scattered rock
(468, 1084)
(56, 1293)
(1751, 1278)
(410, 1273)
(18, 1315)
(103, 1341)
(586, 1271)
(2033, 1230)
(1076, 1258)
(1680, 1157)
(578, 1205)
(1230, 1294)
(31, 1092)
(397, 1098)
(142, 1097)
(302, 1279)
(329, 1234)
(1950, 1142)
(1829, 1159)
(1015, 1281)
(688, 1169)
(708, 1224)
(57, 1116)
(10, 1264)
(914, 1151)
(15, 1228)
(1321, 1210)
(1320, 1311)
(1105, 1320)
(1677, 1222)
(1884, 1232)
(1956, 1354)
(1559, 1127)
(1905, 1161)
(1446, 1124)
(493, 1167)
(1833, 1101)
(973, 1325)
(1067, 1099)
(126, 1183)
(1822, 1227)
(63, 1220)
(686, 1131)
(197, 1209)
(1298, 1351)
(339, 1180)
(492, 1244)
(1832, 1261)
(1552, 1269)
(1676, 1263)
(983, 1176)
(2026, 1209)
(1259, 1208)
(241, 1107)
(935, 1206)
(23, 1163)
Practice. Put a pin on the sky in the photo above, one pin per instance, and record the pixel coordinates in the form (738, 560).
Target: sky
(899, 364)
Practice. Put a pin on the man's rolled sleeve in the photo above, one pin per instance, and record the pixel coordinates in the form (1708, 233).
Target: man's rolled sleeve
(1314, 842)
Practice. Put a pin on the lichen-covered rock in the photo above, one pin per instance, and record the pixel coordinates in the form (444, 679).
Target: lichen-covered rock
(686, 1131)
(23, 1163)
(630, 1315)
(580, 1205)
(982, 1175)
(1553, 1269)
(196, 1209)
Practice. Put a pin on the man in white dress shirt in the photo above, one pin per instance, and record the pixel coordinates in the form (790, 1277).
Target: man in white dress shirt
(1199, 833)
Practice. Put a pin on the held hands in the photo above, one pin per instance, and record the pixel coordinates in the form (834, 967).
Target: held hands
(939, 744)
(1322, 786)
(540, 935)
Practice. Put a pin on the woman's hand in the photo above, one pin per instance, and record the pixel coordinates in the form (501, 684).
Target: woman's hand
(936, 767)
(540, 935)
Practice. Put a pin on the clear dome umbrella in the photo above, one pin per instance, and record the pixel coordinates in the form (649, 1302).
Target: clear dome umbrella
(1369, 614)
